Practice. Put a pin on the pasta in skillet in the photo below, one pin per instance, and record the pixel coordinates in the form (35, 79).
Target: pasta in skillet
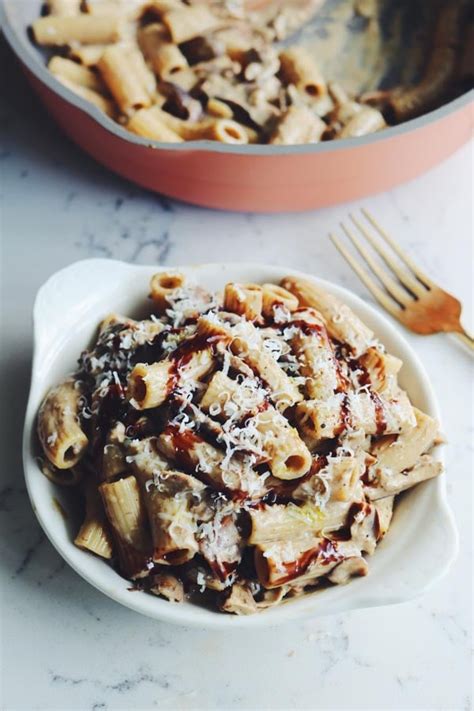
(184, 70)
(246, 447)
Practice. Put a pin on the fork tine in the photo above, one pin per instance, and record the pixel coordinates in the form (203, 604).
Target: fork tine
(409, 282)
(421, 276)
(383, 299)
(400, 295)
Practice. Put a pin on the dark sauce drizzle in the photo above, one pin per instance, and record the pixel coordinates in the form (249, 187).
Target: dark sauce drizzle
(326, 551)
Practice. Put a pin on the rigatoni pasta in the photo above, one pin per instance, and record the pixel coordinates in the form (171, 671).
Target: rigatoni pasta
(118, 68)
(62, 8)
(164, 56)
(94, 535)
(246, 446)
(77, 74)
(185, 23)
(188, 71)
(127, 517)
(99, 100)
(62, 438)
(299, 68)
(85, 29)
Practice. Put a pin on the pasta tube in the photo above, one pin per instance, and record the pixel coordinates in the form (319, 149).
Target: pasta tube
(326, 419)
(86, 29)
(60, 434)
(381, 369)
(298, 67)
(341, 322)
(127, 517)
(270, 432)
(75, 73)
(145, 123)
(93, 97)
(220, 543)
(302, 561)
(88, 55)
(94, 534)
(114, 319)
(219, 109)
(63, 8)
(150, 385)
(246, 342)
(173, 522)
(131, 9)
(188, 22)
(289, 457)
(244, 299)
(226, 397)
(172, 500)
(165, 57)
(343, 474)
(274, 296)
(403, 453)
(315, 353)
(191, 452)
(336, 486)
(387, 482)
(163, 285)
(223, 130)
(142, 71)
(276, 523)
(118, 67)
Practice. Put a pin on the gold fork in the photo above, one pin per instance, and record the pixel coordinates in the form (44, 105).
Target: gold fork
(411, 297)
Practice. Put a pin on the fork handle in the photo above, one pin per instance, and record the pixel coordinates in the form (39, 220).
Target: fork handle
(465, 338)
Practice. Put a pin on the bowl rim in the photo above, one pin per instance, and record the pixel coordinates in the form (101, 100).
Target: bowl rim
(186, 615)
(39, 70)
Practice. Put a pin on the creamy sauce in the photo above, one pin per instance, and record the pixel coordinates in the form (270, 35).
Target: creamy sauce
(364, 53)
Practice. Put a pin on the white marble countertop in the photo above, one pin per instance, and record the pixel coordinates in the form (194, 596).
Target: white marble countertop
(66, 646)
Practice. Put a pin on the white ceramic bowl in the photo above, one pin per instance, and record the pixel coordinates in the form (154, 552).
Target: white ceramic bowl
(419, 547)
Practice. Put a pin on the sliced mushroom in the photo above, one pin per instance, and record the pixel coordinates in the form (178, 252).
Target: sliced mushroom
(168, 586)
(272, 597)
(179, 102)
(349, 568)
(202, 49)
(239, 601)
